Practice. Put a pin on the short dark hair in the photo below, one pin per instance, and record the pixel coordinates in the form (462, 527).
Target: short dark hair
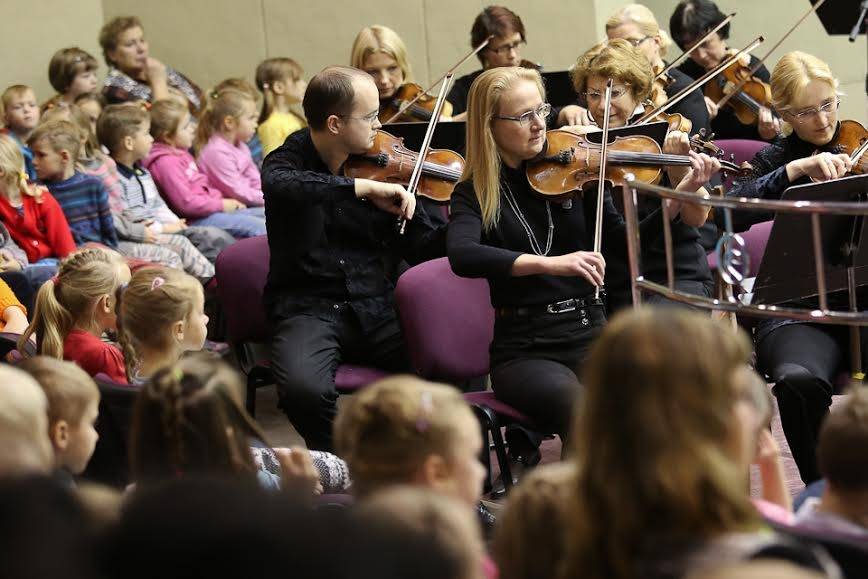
(330, 92)
(693, 18)
(495, 21)
(842, 449)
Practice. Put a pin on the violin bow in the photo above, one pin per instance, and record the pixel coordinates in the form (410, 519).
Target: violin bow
(451, 71)
(696, 45)
(682, 94)
(426, 144)
(737, 89)
(601, 183)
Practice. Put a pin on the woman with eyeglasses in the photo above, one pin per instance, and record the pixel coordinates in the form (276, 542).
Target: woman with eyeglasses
(632, 76)
(536, 254)
(689, 22)
(802, 359)
(504, 49)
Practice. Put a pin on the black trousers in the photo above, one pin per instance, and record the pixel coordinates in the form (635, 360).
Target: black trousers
(535, 361)
(306, 351)
(803, 360)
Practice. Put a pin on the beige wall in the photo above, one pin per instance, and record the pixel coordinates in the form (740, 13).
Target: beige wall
(213, 39)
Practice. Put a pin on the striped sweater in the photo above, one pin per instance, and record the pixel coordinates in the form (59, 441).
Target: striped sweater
(85, 203)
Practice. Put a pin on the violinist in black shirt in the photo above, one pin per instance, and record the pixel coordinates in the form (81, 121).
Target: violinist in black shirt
(329, 291)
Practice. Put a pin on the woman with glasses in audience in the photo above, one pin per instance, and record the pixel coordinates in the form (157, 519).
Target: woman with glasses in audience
(802, 359)
(536, 254)
(504, 49)
(632, 79)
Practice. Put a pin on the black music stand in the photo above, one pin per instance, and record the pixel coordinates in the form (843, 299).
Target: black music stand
(844, 17)
(787, 272)
(559, 88)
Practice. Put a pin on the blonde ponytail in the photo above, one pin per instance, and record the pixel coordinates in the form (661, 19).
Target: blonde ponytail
(222, 103)
(51, 324)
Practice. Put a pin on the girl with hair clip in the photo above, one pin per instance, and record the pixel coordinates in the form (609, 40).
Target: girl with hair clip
(689, 22)
(226, 125)
(632, 79)
(537, 255)
(185, 188)
(801, 358)
(281, 81)
(189, 419)
(76, 307)
(661, 485)
(160, 317)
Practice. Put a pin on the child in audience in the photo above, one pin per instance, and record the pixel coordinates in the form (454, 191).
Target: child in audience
(189, 419)
(228, 122)
(20, 117)
(404, 430)
(282, 86)
(185, 188)
(73, 407)
(842, 455)
(83, 198)
(25, 449)
(33, 217)
(13, 315)
(72, 72)
(254, 144)
(124, 130)
(530, 537)
(92, 104)
(76, 307)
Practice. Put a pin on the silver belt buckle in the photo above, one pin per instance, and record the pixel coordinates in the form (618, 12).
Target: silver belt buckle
(561, 307)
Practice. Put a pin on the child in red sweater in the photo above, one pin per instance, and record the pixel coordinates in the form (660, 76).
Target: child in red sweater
(76, 307)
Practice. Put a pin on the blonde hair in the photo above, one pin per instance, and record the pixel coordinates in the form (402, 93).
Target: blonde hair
(155, 298)
(23, 425)
(616, 59)
(653, 439)
(483, 160)
(83, 277)
(386, 431)
(68, 388)
(531, 532)
(270, 71)
(60, 134)
(12, 163)
(224, 102)
(373, 39)
(66, 64)
(13, 92)
(442, 527)
(166, 117)
(644, 19)
(793, 72)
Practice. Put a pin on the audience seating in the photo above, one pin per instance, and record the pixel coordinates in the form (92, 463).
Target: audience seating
(110, 463)
(850, 554)
(241, 272)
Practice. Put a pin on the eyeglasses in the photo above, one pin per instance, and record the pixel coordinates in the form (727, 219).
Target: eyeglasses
(525, 119)
(637, 41)
(827, 107)
(370, 118)
(506, 48)
(617, 92)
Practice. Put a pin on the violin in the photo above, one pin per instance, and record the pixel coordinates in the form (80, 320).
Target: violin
(411, 103)
(570, 161)
(852, 140)
(389, 161)
(746, 102)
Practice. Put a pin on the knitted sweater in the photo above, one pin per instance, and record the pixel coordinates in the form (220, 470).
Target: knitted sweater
(38, 227)
(185, 188)
(230, 169)
(141, 199)
(7, 300)
(85, 203)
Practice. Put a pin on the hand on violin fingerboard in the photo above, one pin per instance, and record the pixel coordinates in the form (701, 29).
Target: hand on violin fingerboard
(572, 115)
(389, 197)
(768, 125)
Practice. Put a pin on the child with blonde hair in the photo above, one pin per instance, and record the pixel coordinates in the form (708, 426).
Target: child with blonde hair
(26, 449)
(20, 117)
(72, 72)
(76, 307)
(73, 407)
(282, 85)
(404, 430)
(229, 121)
(254, 144)
(186, 189)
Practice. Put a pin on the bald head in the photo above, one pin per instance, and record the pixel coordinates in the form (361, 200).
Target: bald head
(23, 425)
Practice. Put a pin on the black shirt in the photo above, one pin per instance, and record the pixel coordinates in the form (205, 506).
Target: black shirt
(328, 248)
(726, 125)
(474, 252)
(692, 106)
(459, 91)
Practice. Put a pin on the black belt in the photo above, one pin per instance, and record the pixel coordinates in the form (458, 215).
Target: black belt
(561, 307)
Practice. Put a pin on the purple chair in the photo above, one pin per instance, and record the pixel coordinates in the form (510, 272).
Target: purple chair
(739, 150)
(755, 239)
(242, 270)
(448, 325)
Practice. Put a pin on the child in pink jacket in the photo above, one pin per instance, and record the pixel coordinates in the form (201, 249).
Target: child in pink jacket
(186, 189)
